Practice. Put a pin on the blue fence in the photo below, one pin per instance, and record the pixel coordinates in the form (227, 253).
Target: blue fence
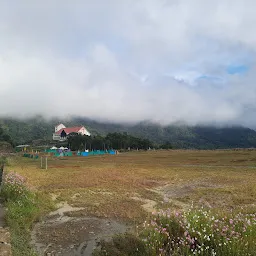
(31, 156)
(57, 153)
(97, 153)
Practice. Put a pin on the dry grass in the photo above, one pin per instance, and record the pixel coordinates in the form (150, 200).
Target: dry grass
(104, 185)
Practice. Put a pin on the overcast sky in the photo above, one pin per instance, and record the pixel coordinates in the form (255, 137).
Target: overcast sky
(131, 60)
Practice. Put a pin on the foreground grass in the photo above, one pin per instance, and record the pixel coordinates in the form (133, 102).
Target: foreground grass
(23, 209)
(120, 186)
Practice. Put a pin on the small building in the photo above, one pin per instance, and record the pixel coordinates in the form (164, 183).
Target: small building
(22, 148)
(61, 131)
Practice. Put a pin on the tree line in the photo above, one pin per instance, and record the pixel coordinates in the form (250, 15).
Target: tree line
(38, 130)
(5, 137)
(118, 141)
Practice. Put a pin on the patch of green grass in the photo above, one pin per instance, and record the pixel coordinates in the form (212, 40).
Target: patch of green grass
(123, 245)
(20, 216)
(24, 207)
(4, 160)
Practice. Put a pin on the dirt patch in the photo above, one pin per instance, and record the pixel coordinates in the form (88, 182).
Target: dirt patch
(59, 234)
(5, 240)
(174, 193)
(181, 190)
(63, 208)
(148, 205)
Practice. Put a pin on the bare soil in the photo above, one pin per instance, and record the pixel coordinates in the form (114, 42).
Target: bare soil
(59, 234)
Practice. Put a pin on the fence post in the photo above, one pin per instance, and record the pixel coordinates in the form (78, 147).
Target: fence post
(46, 162)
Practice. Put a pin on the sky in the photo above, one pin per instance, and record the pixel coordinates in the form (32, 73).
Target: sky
(164, 61)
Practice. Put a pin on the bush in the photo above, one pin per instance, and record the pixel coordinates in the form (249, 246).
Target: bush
(22, 210)
(199, 232)
(14, 187)
(3, 161)
(123, 245)
(194, 232)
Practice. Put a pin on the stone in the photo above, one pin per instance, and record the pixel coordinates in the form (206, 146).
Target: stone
(5, 236)
(5, 249)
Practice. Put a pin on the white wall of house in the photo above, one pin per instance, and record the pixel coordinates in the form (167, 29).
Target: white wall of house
(59, 127)
(84, 131)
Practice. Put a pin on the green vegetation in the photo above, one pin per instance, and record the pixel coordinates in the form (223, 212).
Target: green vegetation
(6, 143)
(124, 245)
(4, 136)
(3, 161)
(23, 208)
(111, 141)
(39, 131)
(193, 232)
(27, 130)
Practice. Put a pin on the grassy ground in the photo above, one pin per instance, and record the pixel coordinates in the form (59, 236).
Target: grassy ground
(129, 186)
(117, 186)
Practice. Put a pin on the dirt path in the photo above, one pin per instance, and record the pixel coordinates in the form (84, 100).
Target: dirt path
(60, 234)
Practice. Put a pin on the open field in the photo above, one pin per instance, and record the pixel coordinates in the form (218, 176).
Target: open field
(105, 185)
(129, 186)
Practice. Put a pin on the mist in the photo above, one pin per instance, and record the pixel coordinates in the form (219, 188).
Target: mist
(129, 61)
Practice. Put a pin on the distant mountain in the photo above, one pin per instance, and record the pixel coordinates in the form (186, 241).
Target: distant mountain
(180, 136)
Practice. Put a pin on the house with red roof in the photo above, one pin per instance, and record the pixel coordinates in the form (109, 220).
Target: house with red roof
(61, 131)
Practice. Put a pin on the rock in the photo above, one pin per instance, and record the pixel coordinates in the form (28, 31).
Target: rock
(5, 235)
(5, 249)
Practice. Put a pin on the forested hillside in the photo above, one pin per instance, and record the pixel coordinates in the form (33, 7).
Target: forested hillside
(33, 129)
(4, 136)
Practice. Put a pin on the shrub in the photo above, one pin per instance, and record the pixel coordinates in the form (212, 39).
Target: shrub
(22, 211)
(123, 245)
(14, 187)
(199, 232)
(3, 160)
(194, 232)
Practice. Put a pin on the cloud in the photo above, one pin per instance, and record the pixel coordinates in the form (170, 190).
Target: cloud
(164, 61)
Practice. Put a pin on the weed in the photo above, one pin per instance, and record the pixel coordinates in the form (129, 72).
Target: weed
(23, 208)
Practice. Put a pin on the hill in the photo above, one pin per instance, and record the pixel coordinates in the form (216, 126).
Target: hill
(199, 137)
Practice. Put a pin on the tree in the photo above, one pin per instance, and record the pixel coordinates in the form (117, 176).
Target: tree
(5, 137)
(111, 141)
(166, 145)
